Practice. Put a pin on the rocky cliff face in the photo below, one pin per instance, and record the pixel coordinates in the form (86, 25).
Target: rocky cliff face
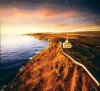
(51, 70)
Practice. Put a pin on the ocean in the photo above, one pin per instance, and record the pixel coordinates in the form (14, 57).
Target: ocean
(15, 51)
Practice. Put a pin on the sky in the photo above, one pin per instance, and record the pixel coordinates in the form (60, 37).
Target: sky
(32, 16)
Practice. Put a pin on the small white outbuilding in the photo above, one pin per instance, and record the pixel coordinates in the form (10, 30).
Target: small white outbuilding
(67, 44)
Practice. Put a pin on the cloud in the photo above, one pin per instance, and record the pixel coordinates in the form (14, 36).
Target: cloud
(38, 13)
(48, 11)
(81, 5)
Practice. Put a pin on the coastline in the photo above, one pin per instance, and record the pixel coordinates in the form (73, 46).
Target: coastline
(47, 59)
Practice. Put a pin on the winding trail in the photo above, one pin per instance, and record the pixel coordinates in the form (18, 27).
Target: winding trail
(94, 79)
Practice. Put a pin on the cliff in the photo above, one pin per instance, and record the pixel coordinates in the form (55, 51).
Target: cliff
(51, 70)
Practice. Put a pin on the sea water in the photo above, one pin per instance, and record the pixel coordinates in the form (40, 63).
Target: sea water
(15, 51)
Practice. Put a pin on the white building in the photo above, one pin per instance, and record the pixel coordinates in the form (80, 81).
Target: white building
(67, 44)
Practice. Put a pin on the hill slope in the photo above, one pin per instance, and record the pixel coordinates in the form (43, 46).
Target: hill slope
(51, 70)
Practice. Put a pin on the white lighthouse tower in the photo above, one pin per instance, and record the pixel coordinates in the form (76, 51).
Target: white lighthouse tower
(67, 44)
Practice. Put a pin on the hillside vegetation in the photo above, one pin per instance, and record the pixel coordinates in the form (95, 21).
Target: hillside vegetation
(51, 70)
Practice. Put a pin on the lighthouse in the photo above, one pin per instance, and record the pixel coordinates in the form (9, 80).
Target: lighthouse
(67, 44)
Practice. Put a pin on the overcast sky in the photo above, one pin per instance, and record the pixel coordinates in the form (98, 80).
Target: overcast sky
(26, 16)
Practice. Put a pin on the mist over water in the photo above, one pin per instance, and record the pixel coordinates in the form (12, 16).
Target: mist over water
(15, 51)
